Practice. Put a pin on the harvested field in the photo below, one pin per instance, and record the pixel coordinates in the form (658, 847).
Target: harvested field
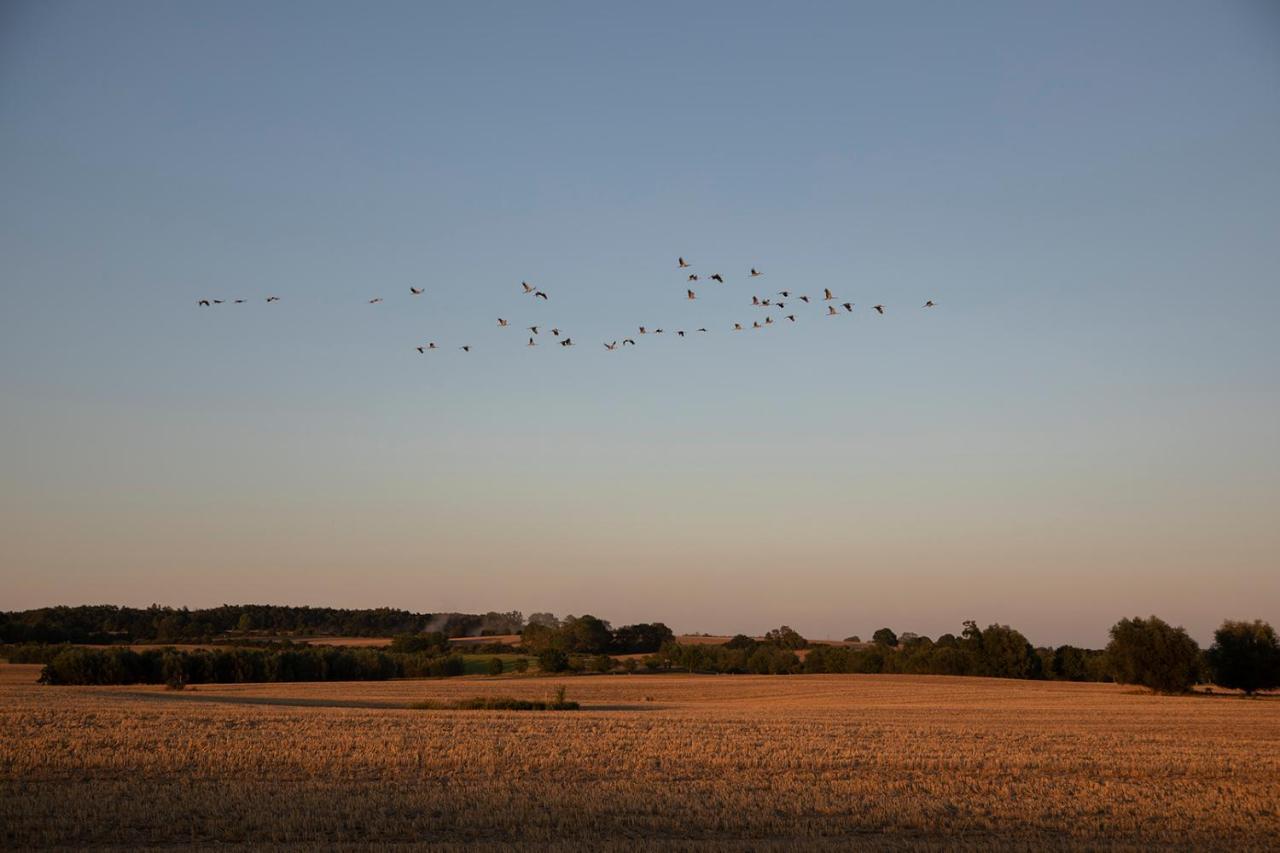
(732, 762)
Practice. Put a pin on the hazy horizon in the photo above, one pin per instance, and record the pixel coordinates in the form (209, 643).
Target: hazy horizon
(1086, 427)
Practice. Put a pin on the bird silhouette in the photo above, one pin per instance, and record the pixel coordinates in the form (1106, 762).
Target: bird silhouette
(803, 299)
(217, 302)
(527, 287)
(642, 331)
(682, 263)
(691, 295)
(203, 302)
(716, 277)
(680, 332)
(238, 301)
(416, 291)
(693, 276)
(928, 304)
(465, 348)
(626, 341)
(791, 317)
(375, 300)
(755, 272)
(879, 308)
(827, 294)
(737, 327)
(848, 306)
(755, 324)
(755, 300)
(702, 329)
(567, 342)
(785, 294)
(538, 294)
(273, 299)
(555, 332)
(502, 323)
(768, 321)
(612, 346)
(532, 343)
(533, 329)
(831, 311)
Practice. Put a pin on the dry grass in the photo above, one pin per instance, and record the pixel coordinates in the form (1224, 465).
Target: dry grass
(729, 762)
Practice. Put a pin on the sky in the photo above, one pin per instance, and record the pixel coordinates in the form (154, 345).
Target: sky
(1086, 427)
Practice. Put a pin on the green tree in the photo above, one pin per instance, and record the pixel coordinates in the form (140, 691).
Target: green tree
(496, 666)
(553, 660)
(786, 637)
(884, 637)
(1153, 654)
(1245, 656)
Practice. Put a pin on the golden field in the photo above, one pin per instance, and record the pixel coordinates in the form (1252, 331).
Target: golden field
(670, 762)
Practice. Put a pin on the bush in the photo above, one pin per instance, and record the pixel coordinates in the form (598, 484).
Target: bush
(496, 666)
(1245, 656)
(1151, 653)
(553, 660)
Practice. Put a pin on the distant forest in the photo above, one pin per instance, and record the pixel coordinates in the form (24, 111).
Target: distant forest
(106, 623)
(1149, 652)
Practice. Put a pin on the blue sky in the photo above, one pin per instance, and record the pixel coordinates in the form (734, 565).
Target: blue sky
(1085, 428)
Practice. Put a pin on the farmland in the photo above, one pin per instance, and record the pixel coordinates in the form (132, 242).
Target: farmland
(733, 762)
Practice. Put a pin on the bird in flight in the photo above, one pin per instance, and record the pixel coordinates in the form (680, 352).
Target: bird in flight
(682, 262)
(755, 300)
(642, 331)
(785, 294)
(716, 277)
(533, 329)
(465, 348)
(768, 321)
(567, 342)
(803, 299)
(755, 324)
(273, 299)
(538, 294)
(754, 272)
(928, 304)
(827, 294)
(791, 317)
(532, 343)
(217, 302)
(527, 287)
(702, 329)
(502, 323)
(848, 306)
(879, 308)
(626, 341)
(555, 332)
(831, 311)
(238, 301)
(680, 332)
(737, 327)
(657, 331)
(375, 300)
(611, 347)
(691, 294)
(693, 276)
(204, 302)
(416, 291)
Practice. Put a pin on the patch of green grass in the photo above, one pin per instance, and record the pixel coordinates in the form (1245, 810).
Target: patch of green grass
(479, 664)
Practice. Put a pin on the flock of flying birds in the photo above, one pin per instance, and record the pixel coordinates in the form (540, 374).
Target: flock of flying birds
(778, 301)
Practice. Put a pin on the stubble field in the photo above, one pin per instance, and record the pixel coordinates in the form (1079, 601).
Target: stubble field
(716, 762)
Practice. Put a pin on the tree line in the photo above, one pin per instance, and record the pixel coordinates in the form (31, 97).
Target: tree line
(1148, 652)
(106, 623)
(180, 667)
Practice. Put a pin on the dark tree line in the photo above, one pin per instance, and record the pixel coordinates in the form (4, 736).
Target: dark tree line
(238, 665)
(104, 623)
(587, 635)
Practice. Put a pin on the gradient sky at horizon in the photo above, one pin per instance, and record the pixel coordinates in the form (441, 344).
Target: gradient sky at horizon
(1086, 428)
